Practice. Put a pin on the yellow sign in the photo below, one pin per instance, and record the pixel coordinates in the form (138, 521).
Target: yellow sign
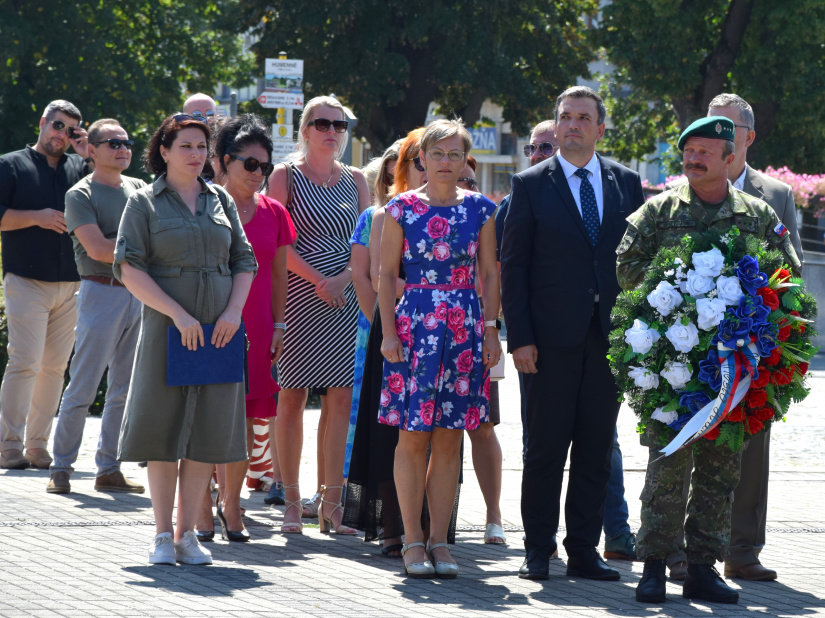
(282, 132)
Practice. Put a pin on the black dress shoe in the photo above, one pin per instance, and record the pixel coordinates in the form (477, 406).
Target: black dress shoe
(651, 588)
(536, 564)
(241, 536)
(205, 535)
(590, 565)
(703, 583)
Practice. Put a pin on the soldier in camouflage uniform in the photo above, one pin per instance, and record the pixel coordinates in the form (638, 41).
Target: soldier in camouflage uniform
(707, 200)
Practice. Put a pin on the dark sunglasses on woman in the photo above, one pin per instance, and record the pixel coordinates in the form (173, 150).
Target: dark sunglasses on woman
(417, 162)
(323, 125)
(117, 144)
(199, 117)
(250, 164)
(471, 182)
(546, 149)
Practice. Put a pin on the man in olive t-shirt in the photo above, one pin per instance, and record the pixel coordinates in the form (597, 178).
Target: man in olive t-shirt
(108, 316)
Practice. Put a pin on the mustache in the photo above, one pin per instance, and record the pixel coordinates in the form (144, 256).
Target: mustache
(695, 166)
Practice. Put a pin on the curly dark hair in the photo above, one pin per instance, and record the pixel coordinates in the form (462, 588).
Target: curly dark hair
(237, 133)
(165, 136)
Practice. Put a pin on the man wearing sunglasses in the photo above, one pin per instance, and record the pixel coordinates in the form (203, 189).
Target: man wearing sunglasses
(202, 106)
(108, 316)
(40, 282)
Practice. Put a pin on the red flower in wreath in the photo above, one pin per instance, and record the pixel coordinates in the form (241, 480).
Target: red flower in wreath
(753, 425)
(784, 333)
(763, 379)
(764, 414)
(802, 369)
(782, 276)
(800, 326)
(774, 358)
(737, 414)
(769, 298)
(757, 398)
(783, 376)
(712, 434)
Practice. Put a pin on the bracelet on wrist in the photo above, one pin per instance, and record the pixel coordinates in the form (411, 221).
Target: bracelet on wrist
(280, 325)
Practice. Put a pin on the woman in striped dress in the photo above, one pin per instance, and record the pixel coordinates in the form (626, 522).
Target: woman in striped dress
(324, 198)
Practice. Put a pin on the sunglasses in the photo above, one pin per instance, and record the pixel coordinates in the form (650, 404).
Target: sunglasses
(117, 144)
(196, 116)
(471, 182)
(323, 125)
(417, 162)
(250, 164)
(453, 155)
(59, 125)
(546, 149)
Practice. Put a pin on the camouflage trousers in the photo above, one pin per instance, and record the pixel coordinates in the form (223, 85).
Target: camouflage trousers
(706, 529)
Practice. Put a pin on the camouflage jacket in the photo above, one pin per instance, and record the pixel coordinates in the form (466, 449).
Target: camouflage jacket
(665, 219)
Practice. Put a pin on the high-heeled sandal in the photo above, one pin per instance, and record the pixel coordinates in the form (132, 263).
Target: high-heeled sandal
(292, 527)
(444, 570)
(241, 536)
(417, 570)
(326, 522)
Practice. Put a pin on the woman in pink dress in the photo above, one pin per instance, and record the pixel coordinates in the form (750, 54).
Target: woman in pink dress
(243, 147)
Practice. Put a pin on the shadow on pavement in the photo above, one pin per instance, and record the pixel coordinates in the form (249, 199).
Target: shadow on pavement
(205, 581)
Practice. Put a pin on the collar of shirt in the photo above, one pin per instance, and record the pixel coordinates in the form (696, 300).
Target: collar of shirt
(739, 183)
(574, 182)
(160, 185)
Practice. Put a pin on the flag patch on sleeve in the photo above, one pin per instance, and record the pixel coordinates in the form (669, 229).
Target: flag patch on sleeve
(780, 230)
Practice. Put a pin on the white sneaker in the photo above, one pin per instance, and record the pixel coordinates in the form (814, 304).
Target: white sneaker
(189, 550)
(162, 550)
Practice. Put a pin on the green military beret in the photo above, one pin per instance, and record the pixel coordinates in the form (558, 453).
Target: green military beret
(713, 127)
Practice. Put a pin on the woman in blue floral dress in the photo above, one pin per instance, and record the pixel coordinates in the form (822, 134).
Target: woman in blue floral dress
(437, 344)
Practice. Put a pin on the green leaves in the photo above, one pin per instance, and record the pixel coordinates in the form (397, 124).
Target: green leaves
(732, 435)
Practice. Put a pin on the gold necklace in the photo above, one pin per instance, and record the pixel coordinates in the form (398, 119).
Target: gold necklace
(324, 184)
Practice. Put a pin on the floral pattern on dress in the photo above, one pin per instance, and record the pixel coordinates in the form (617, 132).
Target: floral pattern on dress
(442, 381)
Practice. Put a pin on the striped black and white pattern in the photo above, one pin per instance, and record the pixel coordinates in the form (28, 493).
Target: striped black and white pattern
(319, 343)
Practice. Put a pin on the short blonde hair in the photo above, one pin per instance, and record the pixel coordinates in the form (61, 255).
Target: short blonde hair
(371, 171)
(308, 115)
(442, 129)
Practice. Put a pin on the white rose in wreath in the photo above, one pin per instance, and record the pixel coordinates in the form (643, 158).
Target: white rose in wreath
(641, 337)
(644, 378)
(683, 337)
(709, 263)
(664, 298)
(711, 311)
(676, 374)
(729, 290)
(664, 417)
(697, 285)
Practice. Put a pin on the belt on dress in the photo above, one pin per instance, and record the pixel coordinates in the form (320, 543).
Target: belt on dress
(111, 281)
(444, 287)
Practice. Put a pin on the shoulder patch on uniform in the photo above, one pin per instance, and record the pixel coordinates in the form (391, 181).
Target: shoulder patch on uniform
(780, 230)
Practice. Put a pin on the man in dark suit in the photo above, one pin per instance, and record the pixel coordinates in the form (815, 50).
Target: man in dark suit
(567, 216)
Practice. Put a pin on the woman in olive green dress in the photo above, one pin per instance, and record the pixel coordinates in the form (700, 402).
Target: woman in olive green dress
(181, 250)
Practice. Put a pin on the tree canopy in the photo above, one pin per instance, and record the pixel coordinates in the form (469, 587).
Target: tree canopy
(673, 56)
(133, 60)
(389, 59)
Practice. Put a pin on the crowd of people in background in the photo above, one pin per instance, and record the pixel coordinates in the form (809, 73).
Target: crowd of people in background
(382, 290)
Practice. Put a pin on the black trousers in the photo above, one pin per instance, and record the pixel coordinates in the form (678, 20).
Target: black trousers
(571, 400)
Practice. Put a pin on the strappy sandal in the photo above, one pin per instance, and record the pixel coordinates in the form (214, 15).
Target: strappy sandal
(494, 531)
(292, 527)
(310, 506)
(418, 570)
(326, 522)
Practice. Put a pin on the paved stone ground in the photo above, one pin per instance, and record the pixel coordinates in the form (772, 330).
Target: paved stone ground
(84, 554)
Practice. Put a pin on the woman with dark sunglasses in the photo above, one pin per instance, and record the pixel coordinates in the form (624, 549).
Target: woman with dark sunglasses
(324, 198)
(243, 153)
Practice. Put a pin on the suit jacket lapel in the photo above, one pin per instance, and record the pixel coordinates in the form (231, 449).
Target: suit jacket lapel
(753, 185)
(610, 196)
(556, 174)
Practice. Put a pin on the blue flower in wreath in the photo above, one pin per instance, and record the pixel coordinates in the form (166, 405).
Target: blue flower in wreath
(747, 270)
(680, 422)
(710, 372)
(753, 307)
(693, 401)
(732, 329)
(766, 338)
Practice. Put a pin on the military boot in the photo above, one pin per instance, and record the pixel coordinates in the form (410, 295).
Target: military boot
(703, 583)
(651, 588)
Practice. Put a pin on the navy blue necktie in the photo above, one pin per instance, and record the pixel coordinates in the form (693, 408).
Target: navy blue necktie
(590, 211)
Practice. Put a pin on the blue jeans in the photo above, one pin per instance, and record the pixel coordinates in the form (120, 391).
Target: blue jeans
(108, 322)
(615, 506)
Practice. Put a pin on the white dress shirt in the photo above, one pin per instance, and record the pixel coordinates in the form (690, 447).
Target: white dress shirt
(740, 182)
(574, 182)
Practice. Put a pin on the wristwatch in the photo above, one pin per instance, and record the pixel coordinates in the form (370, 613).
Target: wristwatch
(496, 323)
(280, 325)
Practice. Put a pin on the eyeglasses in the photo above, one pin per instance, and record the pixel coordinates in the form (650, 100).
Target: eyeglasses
(323, 125)
(546, 149)
(59, 125)
(196, 116)
(250, 164)
(417, 162)
(453, 155)
(117, 144)
(742, 126)
(208, 113)
(471, 182)
(389, 178)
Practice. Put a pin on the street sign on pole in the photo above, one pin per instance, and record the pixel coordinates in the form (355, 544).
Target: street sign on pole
(287, 100)
(282, 149)
(282, 132)
(284, 75)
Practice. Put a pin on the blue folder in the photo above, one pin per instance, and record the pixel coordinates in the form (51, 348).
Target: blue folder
(207, 364)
